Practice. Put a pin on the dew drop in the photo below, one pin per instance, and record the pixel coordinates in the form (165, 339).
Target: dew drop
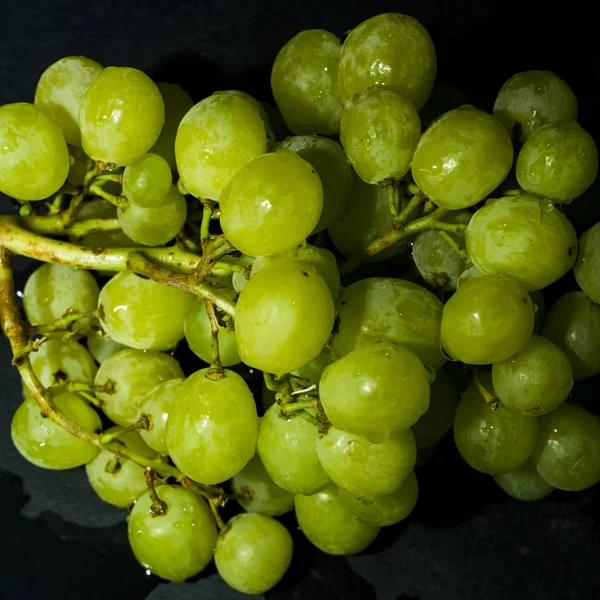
(148, 572)
(187, 508)
(178, 525)
(294, 441)
(286, 477)
(533, 177)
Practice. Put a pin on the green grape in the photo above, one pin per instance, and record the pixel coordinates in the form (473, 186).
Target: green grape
(471, 273)
(253, 553)
(143, 314)
(304, 83)
(379, 131)
(587, 267)
(102, 347)
(216, 138)
(34, 159)
(462, 157)
(198, 333)
(121, 116)
(147, 181)
(390, 49)
(177, 103)
(312, 371)
(321, 259)
(133, 373)
(487, 320)
(329, 161)
(573, 324)
(156, 405)
(287, 448)
(258, 493)
(437, 260)
(366, 218)
(78, 169)
(524, 237)
(272, 204)
(531, 99)
(524, 483)
(492, 441)
(178, 544)
(439, 417)
(384, 510)
(330, 526)
(379, 309)
(375, 391)
(539, 305)
(559, 161)
(58, 362)
(52, 290)
(535, 380)
(60, 89)
(363, 468)
(154, 225)
(212, 427)
(117, 480)
(264, 116)
(288, 304)
(567, 454)
(48, 445)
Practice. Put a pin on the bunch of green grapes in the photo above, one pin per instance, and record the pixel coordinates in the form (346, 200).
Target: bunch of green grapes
(210, 225)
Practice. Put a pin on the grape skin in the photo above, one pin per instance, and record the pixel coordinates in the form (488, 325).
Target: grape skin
(587, 268)
(524, 483)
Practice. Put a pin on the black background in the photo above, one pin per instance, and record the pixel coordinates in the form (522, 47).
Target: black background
(465, 539)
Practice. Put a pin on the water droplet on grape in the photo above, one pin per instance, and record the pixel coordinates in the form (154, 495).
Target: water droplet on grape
(178, 525)
(533, 177)
(541, 87)
(286, 477)
(148, 572)
(294, 441)
(187, 508)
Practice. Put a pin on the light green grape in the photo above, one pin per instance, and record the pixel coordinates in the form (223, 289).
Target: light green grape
(363, 468)
(34, 159)
(567, 454)
(587, 267)
(143, 314)
(573, 324)
(524, 237)
(492, 441)
(375, 391)
(263, 113)
(379, 131)
(212, 427)
(379, 309)
(330, 526)
(385, 510)
(321, 259)
(535, 380)
(133, 373)
(177, 103)
(121, 116)
(439, 417)
(488, 319)
(154, 225)
(524, 483)
(329, 161)
(284, 316)
(304, 83)
(198, 333)
(558, 161)
(60, 89)
(102, 347)
(258, 493)
(531, 99)
(48, 445)
(254, 553)
(117, 480)
(392, 50)
(312, 371)
(147, 181)
(287, 448)
(272, 204)
(217, 138)
(156, 405)
(366, 218)
(462, 157)
(178, 544)
(52, 290)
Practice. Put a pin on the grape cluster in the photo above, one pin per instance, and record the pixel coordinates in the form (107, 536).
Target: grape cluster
(238, 231)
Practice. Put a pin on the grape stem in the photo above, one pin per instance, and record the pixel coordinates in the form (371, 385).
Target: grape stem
(293, 407)
(65, 323)
(490, 399)
(142, 423)
(455, 246)
(402, 218)
(159, 507)
(97, 190)
(207, 210)
(216, 370)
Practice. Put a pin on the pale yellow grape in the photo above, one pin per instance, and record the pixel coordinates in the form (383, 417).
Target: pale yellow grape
(34, 159)
(263, 113)
(304, 82)
(524, 483)
(121, 116)
(101, 347)
(587, 268)
(147, 181)
(60, 89)
(272, 204)
(216, 138)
